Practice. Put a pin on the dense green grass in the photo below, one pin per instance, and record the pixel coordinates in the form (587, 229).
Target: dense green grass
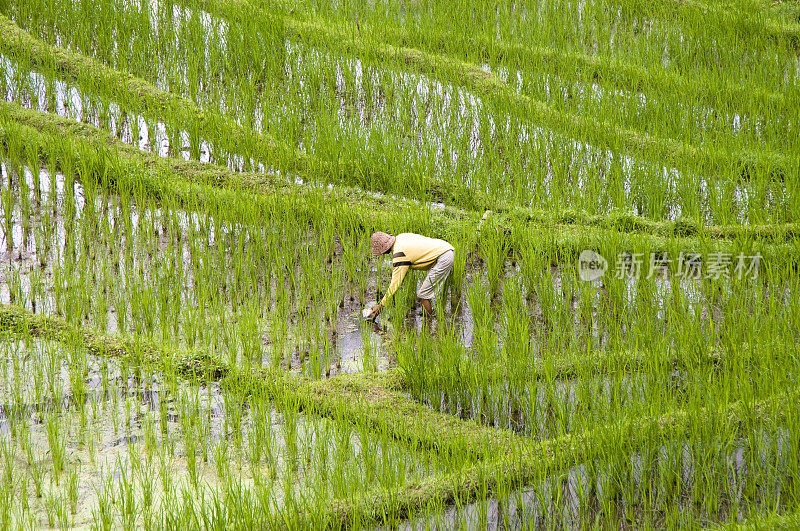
(366, 122)
(188, 188)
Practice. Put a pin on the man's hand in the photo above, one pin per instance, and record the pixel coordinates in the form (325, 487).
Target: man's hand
(376, 311)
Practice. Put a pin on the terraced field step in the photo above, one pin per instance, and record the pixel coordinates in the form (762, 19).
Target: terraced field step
(52, 136)
(531, 461)
(673, 153)
(621, 222)
(558, 367)
(775, 522)
(137, 95)
(144, 97)
(374, 400)
(140, 96)
(784, 12)
(727, 15)
(605, 69)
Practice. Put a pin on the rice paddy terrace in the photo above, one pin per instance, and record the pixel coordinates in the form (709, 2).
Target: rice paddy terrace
(188, 188)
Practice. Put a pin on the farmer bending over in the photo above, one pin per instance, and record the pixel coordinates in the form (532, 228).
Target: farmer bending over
(417, 252)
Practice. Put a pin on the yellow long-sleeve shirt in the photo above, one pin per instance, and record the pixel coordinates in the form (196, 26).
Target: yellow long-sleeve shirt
(415, 252)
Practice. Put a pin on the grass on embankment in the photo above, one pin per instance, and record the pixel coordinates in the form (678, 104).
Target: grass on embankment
(532, 462)
(122, 165)
(685, 156)
(504, 459)
(139, 95)
(612, 71)
(775, 522)
(372, 400)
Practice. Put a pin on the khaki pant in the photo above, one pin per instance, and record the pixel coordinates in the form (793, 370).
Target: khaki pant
(437, 275)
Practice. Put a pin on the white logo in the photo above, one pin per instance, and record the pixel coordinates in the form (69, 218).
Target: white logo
(591, 265)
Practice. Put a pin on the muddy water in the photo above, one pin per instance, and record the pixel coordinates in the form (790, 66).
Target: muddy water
(35, 273)
(437, 111)
(359, 343)
(36, 268)
(352, 346)
(543, 408)
(45, 95)
(459, 110)
(118, 419)
(546, 409)
(555, 88)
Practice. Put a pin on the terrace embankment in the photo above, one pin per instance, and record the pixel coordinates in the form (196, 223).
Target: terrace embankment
(187, 189)
(139, 95)
(373, 400)
(568, 239)
(275, 154)
(377, 400)
(494, 89)
(530, 463)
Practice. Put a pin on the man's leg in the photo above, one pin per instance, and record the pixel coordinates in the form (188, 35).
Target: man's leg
(426, 307)
(434, 280)
(426, 291)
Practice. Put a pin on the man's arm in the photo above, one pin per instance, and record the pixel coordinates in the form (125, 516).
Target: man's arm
(398, 274)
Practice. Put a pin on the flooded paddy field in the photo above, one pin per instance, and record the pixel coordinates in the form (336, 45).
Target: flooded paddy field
(665, 487)
(188, 191)
(325, 100)
(87, 440)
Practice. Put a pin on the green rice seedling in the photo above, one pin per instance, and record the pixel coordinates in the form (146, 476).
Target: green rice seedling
(36, 471)
(8, 479)
(72, 490)
(464, 246)
(484, 339)
(494, 252)
(102, 513)
(78, 371)
(127, 495)
(552, 354)
(51, 508)
(24, 503)
(517, 327)
(56, 444)
(250, 332)
(221, 459)
(146, 483)
(9, 201)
